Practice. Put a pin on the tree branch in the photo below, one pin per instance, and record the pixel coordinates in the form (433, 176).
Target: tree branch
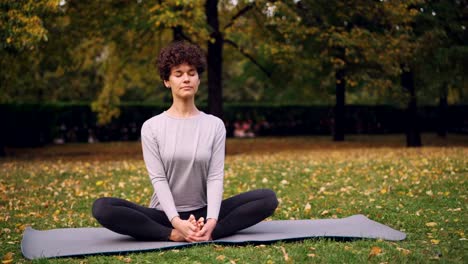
(240, 13)
(183, 36)
(250, 57)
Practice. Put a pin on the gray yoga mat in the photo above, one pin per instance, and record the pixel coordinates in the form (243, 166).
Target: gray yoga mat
(66, 242)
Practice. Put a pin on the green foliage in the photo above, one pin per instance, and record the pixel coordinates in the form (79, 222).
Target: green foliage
(22, 31)
(273, 34)
(185, 14)
(274, 51)
(442, 52)
(21, 23)
(367, 39)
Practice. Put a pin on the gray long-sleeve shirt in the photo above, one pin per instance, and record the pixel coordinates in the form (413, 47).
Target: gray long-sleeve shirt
(185, 161)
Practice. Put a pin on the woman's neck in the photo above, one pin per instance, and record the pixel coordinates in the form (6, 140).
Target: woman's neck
(183, 109)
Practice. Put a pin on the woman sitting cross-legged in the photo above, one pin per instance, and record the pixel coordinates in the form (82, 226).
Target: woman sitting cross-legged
(184, 149)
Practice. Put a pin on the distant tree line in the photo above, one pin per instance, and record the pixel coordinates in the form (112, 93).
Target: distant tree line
(29, 125)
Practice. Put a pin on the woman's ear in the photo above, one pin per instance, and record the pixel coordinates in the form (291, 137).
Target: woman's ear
(167, 84)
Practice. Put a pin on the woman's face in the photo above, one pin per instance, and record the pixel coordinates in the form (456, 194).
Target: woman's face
(183, 81)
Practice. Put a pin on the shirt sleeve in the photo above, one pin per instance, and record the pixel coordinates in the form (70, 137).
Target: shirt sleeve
(215, 177)
(155, 168)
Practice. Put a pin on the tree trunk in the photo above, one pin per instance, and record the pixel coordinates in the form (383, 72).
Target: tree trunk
(177, 33)
(442, 124)
(340, 105)
(413, 131)
(215, 61)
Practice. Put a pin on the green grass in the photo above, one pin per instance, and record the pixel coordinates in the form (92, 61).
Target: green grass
(422, 192)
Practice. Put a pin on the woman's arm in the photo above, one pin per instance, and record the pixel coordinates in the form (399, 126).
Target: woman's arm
(155, 168)
(215, 177)
(214, 184)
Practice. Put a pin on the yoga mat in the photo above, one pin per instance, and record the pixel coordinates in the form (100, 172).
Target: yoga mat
(67, 242)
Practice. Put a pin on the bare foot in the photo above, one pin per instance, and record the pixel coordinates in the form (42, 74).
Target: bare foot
(176, 236)
(200, 223)
(194, 222)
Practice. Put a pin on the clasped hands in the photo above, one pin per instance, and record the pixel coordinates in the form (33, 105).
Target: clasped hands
(192, 230)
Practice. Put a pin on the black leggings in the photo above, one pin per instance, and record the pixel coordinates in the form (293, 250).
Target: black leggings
(143, 223)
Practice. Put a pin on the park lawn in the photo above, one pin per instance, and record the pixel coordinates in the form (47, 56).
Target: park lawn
(421, 191)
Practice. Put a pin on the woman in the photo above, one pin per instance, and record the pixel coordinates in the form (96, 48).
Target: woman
(183, 149)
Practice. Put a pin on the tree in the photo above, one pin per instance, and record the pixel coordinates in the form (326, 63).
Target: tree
(21, 23)
(359, 44)
(21, 31)
(441, 55)
(187, 19)
(413, 131)
(432, 59)
(113, 44)
(215, 60)
(118, 44)
(201, 24)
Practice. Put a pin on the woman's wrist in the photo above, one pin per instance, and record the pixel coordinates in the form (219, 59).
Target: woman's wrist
(175, 220)
(212, 220)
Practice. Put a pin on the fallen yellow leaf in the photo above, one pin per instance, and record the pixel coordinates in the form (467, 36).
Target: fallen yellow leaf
(21, 228)
(435, 241)
(285, 254)
(375, 251)
(404, 251)
(431, 224)
(7, 258)
(221, 257)
(218, 248)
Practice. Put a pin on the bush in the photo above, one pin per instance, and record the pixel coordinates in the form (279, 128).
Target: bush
(26, 125)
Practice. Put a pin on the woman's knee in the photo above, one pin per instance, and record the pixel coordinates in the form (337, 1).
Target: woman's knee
(270, 200)
(101, 208)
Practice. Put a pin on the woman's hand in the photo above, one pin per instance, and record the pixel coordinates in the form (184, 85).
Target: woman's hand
(206, 230)
(186, 228)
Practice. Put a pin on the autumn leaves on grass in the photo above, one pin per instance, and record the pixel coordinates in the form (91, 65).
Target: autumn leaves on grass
(425, 188)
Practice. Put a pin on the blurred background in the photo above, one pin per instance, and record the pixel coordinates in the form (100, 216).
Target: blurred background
(84, 71)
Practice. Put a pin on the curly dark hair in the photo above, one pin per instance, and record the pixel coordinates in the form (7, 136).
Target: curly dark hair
(178, 53)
